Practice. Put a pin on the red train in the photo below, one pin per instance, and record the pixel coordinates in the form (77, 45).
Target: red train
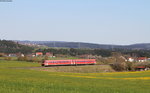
(69, 62)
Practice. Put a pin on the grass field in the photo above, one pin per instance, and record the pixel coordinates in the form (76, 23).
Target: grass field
(78, 69)
(14, 80)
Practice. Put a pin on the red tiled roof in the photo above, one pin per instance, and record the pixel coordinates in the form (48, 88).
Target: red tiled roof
(140, 67)
(142, 58)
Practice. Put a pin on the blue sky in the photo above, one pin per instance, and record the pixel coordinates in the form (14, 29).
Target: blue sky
(95, 21)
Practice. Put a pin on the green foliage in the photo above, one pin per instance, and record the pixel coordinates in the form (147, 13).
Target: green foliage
(134, 53)
(102, 52)
(98, 52)
(13, 47)
(76, 52)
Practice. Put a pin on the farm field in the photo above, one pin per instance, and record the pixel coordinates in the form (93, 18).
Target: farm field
(78, 69)
(16, 80)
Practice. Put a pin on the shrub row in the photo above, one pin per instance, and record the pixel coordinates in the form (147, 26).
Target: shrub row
(30, 59)
(129, 66)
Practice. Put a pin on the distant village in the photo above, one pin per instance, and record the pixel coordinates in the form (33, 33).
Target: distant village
(51, 55)
(104, 60)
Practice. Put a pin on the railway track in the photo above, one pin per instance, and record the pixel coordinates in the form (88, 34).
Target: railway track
(53, 66)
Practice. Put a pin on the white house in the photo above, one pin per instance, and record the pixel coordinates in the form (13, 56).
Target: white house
(130, 59)
(142, 59)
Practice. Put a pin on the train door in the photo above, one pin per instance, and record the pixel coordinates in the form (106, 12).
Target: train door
(73, 62)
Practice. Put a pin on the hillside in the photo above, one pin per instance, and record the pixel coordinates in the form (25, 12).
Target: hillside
(13, 47)
(86, 45)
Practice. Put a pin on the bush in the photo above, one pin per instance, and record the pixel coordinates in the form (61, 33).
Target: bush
(29, 59)
(123, 66)
(22, 58)
(8, 58)
(46, 58)
(119, 66)
(130, 66)
(1, 55)
(35, 59)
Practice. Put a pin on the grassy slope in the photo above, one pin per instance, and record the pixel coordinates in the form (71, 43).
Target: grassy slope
(32, 81)
(11, 64)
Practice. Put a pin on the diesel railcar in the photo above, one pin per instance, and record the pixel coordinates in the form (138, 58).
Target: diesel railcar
(68, 62)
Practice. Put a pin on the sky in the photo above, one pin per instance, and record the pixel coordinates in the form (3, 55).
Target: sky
(120, 22)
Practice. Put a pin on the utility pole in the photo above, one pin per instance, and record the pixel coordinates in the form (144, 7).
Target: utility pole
(54, 44)
(79, 45)
(112, 47)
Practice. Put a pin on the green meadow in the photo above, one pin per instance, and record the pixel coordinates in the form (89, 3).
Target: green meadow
(15, 78)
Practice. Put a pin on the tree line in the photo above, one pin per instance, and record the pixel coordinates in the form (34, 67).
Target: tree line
(98, 52)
